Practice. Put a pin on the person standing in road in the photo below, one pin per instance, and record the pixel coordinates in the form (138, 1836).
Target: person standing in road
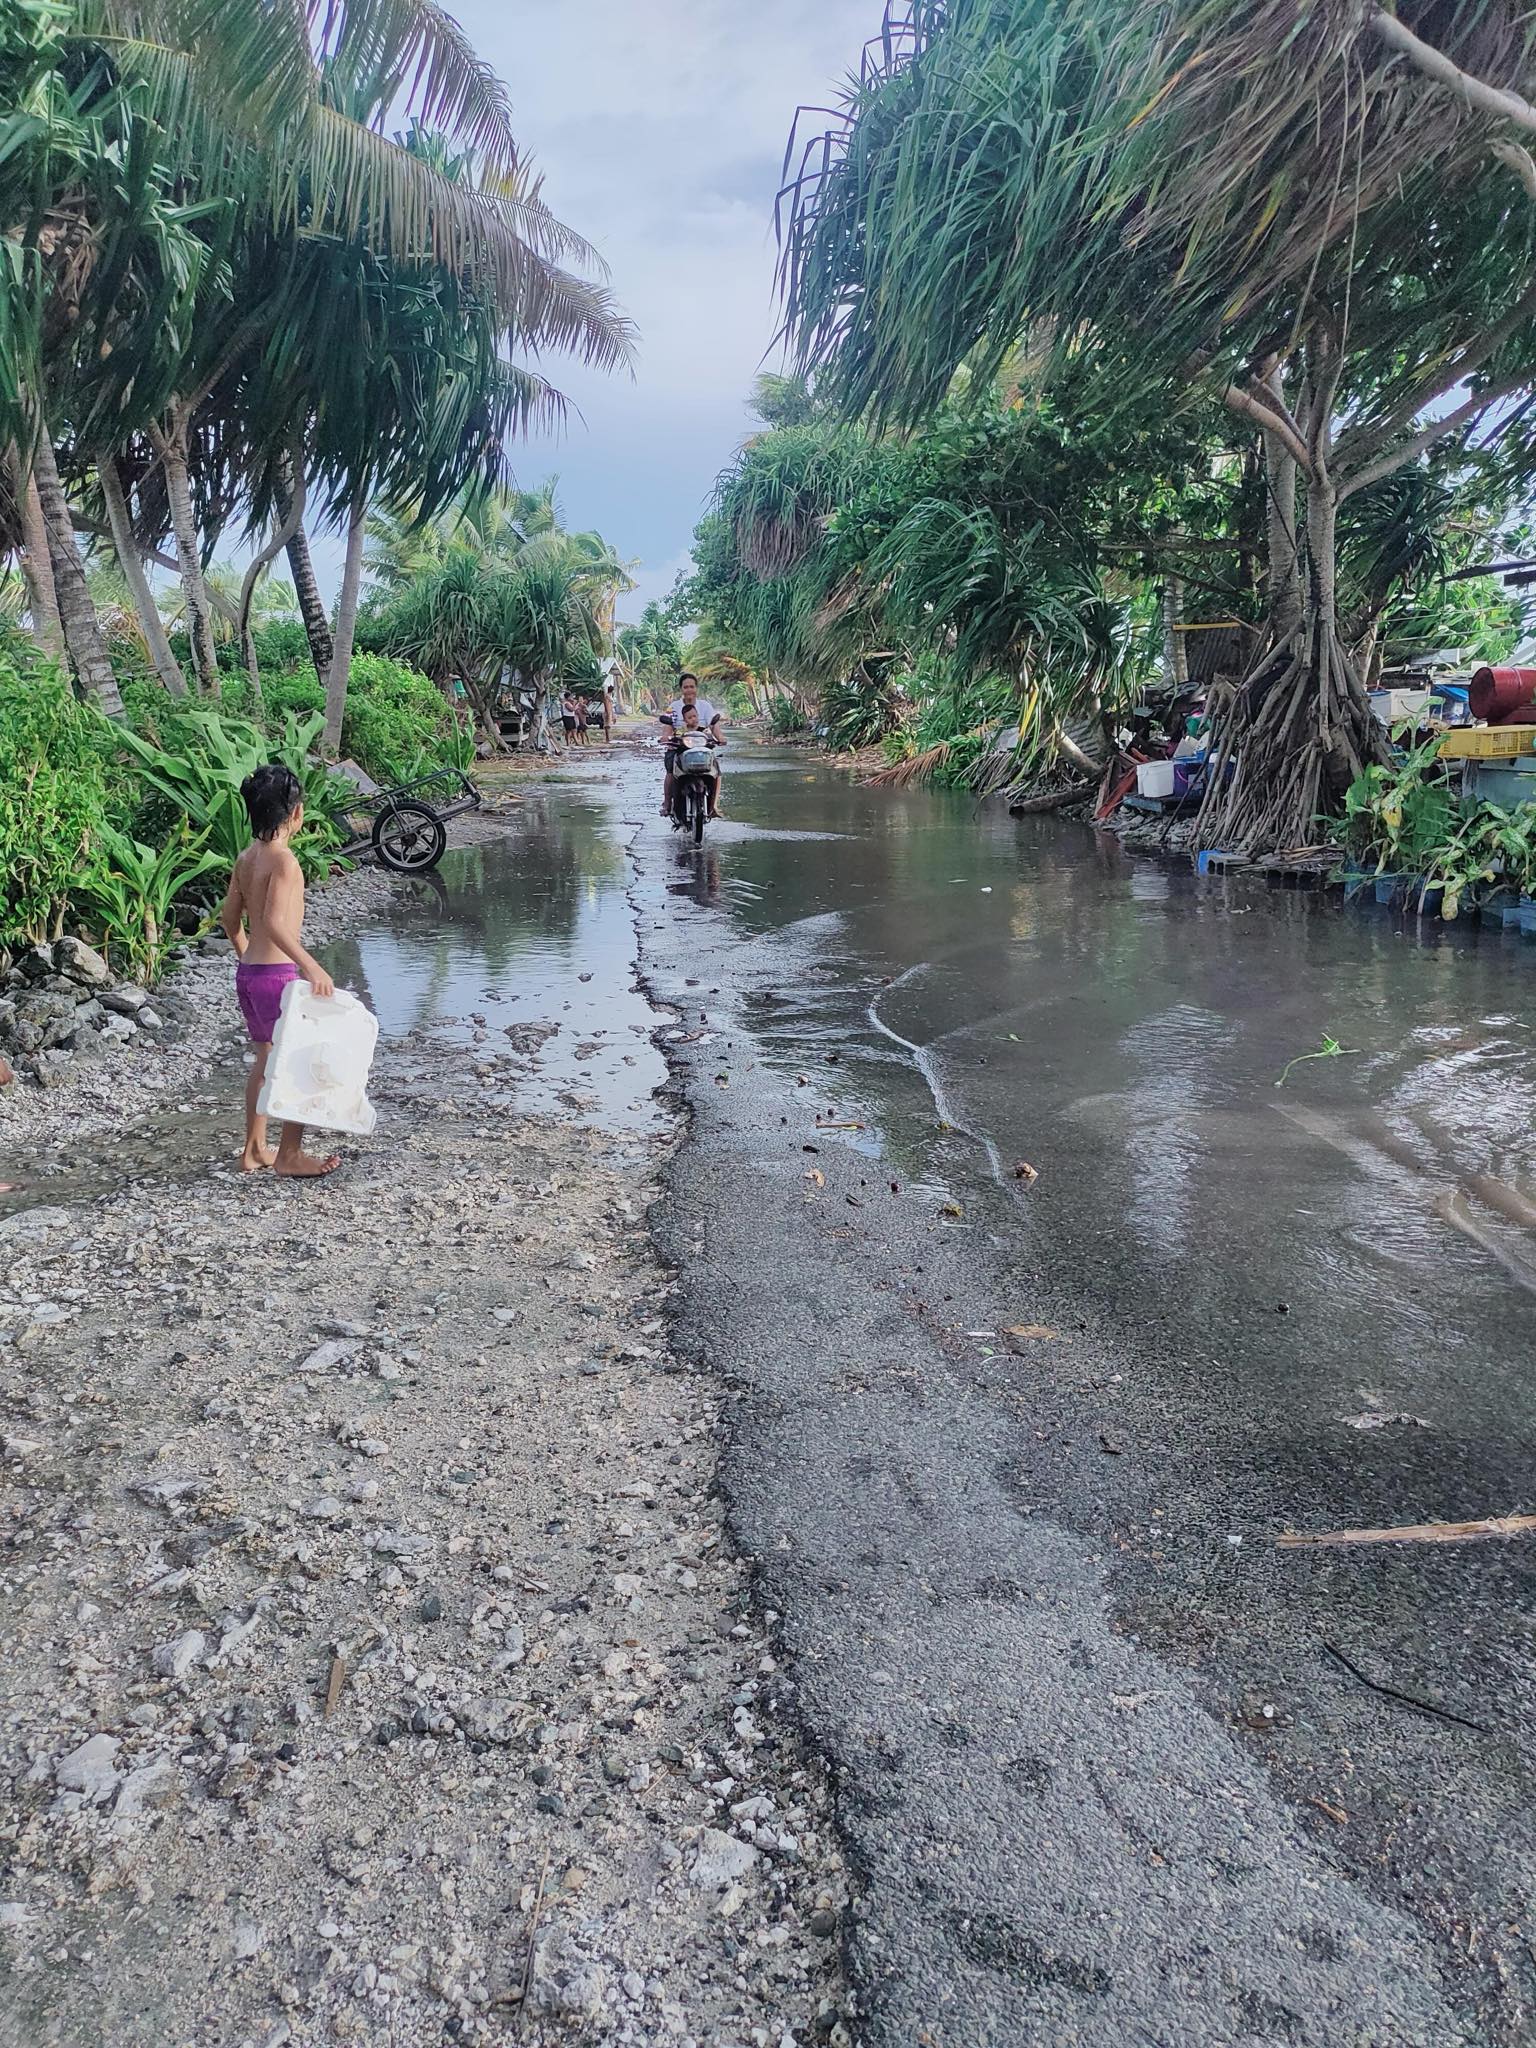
(568, 716)
(607, 712)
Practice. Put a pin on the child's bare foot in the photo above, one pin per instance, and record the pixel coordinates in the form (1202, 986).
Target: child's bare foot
(255, 1157)
(300, 1166)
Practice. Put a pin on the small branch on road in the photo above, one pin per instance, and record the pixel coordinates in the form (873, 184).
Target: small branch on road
(1407, 1699)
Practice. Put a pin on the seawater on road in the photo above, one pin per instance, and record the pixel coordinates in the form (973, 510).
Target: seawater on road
(513, 935)
(520, 950)
(1104, 1771)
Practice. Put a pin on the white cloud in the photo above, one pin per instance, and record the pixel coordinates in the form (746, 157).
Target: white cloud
(659, 127)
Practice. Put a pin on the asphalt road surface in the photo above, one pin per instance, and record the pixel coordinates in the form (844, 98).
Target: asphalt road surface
(1010, 1455)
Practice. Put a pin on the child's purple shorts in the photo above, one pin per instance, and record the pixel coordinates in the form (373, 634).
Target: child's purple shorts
(260, 992)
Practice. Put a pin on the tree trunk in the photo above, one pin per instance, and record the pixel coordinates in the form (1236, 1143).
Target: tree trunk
(1299, 729)
(346, 627)
(167, 668)
(84, 640)
(171, 444)
(540, 719)
(36, 562)
(1285, 594)
(311, 608)
(290, 520)
(482, 707)
(1175, 656)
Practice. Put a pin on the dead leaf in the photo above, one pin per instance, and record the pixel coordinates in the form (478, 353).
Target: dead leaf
(334, 1684)
(1038, 1333)
(1025, 1172)
(815, 1175)
(951, 1209)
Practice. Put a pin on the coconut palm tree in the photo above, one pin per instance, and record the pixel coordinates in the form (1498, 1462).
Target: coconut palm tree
(500, 592)
(123, 287)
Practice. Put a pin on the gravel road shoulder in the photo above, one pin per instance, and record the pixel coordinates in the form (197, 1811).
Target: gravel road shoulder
(378, 1667)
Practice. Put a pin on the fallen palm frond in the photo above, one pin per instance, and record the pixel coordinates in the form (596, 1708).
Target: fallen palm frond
(914, 769)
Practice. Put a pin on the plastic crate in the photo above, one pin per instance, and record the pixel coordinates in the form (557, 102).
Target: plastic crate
(1488, 743)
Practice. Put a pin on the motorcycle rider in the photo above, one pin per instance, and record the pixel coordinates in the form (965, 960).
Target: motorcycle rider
(672, 719)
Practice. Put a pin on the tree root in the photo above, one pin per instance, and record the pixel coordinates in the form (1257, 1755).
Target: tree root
(1296, 733)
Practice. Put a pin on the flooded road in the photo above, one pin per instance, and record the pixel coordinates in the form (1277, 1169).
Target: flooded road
(1010, 1454)
(1224, 1309)
(1122, 1027)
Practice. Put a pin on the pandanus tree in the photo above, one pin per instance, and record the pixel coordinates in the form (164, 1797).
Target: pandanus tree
(1319, 214)
(500, 591)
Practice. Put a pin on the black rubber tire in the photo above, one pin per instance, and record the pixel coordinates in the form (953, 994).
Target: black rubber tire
(409, 837)
(700, 813)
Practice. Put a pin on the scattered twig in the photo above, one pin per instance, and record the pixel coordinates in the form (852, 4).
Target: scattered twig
(1407, 1699)
(533, 1935)
(1412, 1532)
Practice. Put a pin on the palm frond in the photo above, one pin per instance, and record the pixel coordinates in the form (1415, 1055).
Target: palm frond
(413, 56)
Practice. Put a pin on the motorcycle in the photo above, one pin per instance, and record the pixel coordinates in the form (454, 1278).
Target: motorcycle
(692, 784)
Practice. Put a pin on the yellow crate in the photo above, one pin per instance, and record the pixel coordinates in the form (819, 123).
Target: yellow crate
(1488, 742)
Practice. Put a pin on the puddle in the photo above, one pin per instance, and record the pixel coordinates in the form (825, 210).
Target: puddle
(520, 952)
(513, 937)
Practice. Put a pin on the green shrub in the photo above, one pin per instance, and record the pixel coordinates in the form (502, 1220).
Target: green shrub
(283, 645)
(130, 888)
(52, 798)
(198, 757)
(786, 721)
(397, 721)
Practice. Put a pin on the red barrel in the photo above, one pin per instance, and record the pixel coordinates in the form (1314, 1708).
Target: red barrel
(1504, 696)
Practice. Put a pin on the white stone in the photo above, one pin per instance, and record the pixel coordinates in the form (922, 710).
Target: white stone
(721, 1859)
(176, 1659)
(150, 1785)
(89, 1769)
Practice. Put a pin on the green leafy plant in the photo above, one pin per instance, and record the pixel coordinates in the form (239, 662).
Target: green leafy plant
(215, 755)
(130, 888)
(1330, 1049)
(1487, 844)
(786, 721)
(52, 798)
(1398, 816)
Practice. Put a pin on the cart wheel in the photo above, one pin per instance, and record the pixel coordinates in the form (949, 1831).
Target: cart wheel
(409, 837)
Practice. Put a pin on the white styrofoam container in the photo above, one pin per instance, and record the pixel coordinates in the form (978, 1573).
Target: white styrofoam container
(1154, 778)
(317, 1070)
(1390, 705)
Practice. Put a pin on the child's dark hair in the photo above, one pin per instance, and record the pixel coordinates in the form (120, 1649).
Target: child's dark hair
(272, 794)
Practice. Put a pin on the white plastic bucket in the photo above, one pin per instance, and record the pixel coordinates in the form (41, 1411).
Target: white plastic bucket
(317, 1070)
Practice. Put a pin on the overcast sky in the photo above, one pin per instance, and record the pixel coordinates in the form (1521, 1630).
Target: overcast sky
(659, 126)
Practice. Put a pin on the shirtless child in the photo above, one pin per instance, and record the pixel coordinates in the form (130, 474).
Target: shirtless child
(266, 895)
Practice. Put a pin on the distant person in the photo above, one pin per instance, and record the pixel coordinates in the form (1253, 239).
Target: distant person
(568, 716)
(581, 721)
(263, 915)
(607, 713)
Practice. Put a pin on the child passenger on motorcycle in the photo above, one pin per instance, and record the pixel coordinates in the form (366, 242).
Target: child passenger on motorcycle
(694, 727)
